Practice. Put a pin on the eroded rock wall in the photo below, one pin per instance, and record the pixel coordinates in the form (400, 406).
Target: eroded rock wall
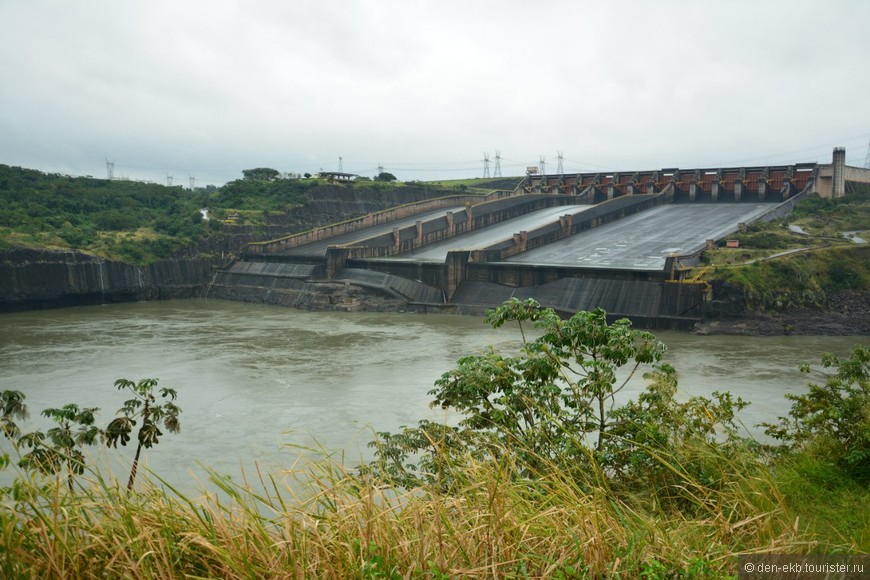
(33, 279)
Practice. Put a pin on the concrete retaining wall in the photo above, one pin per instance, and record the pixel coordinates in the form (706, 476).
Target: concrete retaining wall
(409, 290)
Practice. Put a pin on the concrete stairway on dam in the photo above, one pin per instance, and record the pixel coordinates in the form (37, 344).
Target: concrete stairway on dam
(653, 303)
(411, 291)
(263, 274)
(293, 284)
(246, 280)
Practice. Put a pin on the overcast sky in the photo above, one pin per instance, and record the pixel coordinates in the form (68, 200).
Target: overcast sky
(207, 88)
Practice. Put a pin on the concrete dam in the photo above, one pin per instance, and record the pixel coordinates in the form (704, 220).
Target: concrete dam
(621, 241)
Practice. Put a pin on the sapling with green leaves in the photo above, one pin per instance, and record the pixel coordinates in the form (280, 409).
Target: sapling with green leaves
(59, 447)
(12, 409)
(145, 406)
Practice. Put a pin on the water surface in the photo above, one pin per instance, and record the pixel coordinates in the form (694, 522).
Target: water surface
(253, 380)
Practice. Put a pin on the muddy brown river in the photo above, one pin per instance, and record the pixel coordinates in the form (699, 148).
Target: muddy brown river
(257, 383)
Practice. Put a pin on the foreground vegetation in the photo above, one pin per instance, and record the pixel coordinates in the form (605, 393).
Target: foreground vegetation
(541, 476)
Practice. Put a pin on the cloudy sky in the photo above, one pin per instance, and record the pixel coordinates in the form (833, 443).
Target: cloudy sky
(206, 88)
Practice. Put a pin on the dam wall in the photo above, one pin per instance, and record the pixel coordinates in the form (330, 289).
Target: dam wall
(380, 217)
(648, 303)
(715, 184)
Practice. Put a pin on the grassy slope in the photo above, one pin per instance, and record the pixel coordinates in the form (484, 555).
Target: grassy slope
(480, 184)
(827, 261)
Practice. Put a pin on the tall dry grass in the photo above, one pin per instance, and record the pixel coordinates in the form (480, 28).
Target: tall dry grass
(491, 524)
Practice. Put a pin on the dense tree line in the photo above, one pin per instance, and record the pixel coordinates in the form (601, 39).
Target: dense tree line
(263, 193)
(140, 222)
(76, 210)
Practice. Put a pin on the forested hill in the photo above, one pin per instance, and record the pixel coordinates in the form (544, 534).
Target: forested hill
(127, 220)
(140, 223)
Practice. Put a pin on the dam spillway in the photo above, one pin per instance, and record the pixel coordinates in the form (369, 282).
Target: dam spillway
(622, 241)
(618, 254)
(645, 240)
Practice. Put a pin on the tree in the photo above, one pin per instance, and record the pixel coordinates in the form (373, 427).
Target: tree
(543, 403)
(58, 448)
(384, 176)
(143, 405)
(666, 446)
(261, 174)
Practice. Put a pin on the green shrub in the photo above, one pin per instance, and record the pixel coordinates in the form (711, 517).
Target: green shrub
(832, 419)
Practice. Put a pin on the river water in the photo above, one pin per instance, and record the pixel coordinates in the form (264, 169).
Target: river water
(258, 383)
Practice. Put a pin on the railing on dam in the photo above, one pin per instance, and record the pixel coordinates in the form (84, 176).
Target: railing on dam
(763, 184)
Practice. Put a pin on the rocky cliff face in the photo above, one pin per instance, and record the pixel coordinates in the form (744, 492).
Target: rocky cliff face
(33, 279)
(844, 313)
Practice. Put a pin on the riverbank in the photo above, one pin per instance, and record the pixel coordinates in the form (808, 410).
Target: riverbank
(845, 314)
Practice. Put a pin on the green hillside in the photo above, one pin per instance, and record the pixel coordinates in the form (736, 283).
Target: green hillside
(127, 220)
(795, 262)
(139, 222)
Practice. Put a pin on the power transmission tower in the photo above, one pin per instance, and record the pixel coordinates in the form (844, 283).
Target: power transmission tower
(543, 165)
(485, 164)
(867, 159)
(192, 180)
(380, 168)
(110, 170)
(340, 170)
(559, 169)
(497, 172)
(169, 179)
